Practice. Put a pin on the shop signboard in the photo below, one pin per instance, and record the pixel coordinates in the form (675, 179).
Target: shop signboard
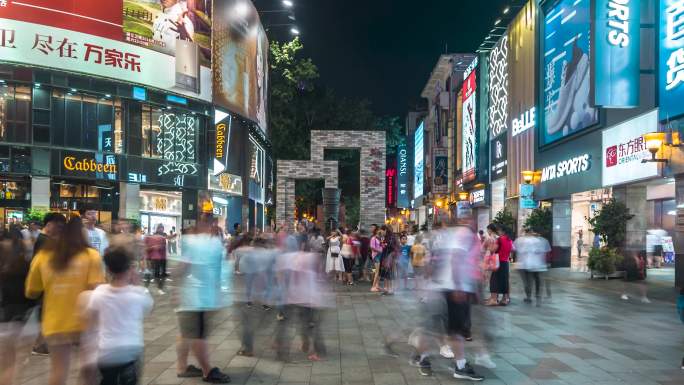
(464, 210)
(441, 167)
(498, 157)
(498, 88)
(391, 178)
(133, 40)
(478, 197)
(566, 74)
(624, 148)
(88, 165)
(226, 183)
(671, 63)
(617, 41)
(469, 135)
(402, 176)
(418, 162)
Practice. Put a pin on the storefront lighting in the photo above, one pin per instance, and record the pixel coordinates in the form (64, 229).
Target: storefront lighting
(497, 22)
(439, 203)
(73, 90)
(506, 10)
(294, 31)
(654, 142)
(108, 95)
(528, 176)
(219, 200)
(37, 85)
(673, 139)
(288, 3)
(463, 196)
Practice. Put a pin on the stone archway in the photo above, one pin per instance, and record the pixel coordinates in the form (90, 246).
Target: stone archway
(371, 144)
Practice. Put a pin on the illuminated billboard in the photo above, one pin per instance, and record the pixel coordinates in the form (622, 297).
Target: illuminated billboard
(469, 139)
(671, 63)
(418, 162)
(498, 88)
(240, 60)
(566, 75)
(89, 37)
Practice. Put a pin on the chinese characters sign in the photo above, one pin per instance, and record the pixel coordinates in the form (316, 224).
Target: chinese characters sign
(403, 200)
(624, 148)
(671, 71)
(418, 162)
(566, 75)
(617, 39)
(40, 45)
(441, 177)
(469, 127)
(390, 178)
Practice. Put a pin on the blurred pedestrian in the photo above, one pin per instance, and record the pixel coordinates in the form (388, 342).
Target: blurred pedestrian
(97, 238)
(347, 254)
(334, 263)
(173, 241)
(635, 265)
(376, 255)
(388, 262)
(155, 253)
(419, 261)
(117, 310)
(364, 255)
(499, 283)
(403, 263)
(199, 272)
(531, 250)
(15, 308)
(317, 246)
(60, 272)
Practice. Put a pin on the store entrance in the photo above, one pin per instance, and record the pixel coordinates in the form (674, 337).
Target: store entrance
(584, 205)
(70, 197)
(160, 208)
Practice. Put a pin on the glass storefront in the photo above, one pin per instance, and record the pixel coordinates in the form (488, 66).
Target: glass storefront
(160, 208)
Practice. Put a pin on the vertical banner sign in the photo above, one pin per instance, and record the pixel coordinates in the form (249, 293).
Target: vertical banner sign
(391, 177)
(402, 176)
(671, 68)
(441, 177)
(498, 157)
(616, 35)
(469, 127)
(418, 162)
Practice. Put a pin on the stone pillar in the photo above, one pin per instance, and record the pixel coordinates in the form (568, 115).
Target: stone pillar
(331, 208)
(634, 197)
(678, 238)
(286, 201)
(40, 193)
(129, 201)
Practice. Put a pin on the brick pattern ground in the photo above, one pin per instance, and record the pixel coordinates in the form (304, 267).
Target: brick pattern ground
(584, 336)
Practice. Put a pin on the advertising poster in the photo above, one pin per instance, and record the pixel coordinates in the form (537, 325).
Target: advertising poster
(498, 88)
(441, 177)
(418, 162)
(92, 38)
(469, 144)
(240, 60)
(566, 75)
(403, 200)
(617, 37)
(624, 147)
(390, 187)
(671, 63)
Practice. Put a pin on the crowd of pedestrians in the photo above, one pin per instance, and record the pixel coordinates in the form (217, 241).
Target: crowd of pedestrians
(74, 292)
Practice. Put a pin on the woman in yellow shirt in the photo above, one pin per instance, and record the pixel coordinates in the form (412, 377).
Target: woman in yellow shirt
(60, 273)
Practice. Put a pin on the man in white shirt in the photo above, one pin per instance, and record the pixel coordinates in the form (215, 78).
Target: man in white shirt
(97, 238)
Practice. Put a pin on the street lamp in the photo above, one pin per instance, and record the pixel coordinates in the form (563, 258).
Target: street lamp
(528, 176)
(654, 142)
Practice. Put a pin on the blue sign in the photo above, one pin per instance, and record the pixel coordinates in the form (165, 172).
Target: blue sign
(566, 84)
(402, 176)
(177, 99)
(139, 93)
(617, 39)
(671, 67)
(418, 162)
(527, 197)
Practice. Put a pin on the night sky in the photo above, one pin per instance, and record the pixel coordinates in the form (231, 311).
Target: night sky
(384, 50)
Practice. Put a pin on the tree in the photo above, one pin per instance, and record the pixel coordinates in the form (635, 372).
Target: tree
(610, 223)
(394, 130)
(505, 219)
(540, 221)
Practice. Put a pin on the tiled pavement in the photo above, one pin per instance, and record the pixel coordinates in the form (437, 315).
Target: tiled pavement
(586, 335)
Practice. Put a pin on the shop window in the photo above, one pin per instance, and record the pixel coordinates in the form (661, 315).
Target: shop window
(12, 190)
(41, 161)
(90, 123)
(73, 120)
(21, 160)
(58, 117)
(135, 131)
(4, 159)
(169, 135)
(14, 113)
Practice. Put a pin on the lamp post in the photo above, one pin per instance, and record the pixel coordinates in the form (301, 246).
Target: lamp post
(654, 142)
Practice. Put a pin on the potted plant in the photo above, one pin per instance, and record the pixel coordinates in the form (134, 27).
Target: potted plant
(610, 224)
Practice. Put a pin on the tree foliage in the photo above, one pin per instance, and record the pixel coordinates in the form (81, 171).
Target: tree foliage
(505, 219)
(540, 221)
(610, 223)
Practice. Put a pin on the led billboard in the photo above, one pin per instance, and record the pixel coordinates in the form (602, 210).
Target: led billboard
(418, 162)
(566, 75)
(498, 88)
(469, 139)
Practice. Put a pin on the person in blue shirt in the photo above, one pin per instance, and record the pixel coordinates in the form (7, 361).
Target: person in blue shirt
(404, 259)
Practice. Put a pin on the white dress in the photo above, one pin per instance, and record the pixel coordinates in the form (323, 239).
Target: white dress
(334, 264)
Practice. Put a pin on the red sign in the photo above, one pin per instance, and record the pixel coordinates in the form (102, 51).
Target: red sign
(611, 156)
(391, 176)
(99, 18)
